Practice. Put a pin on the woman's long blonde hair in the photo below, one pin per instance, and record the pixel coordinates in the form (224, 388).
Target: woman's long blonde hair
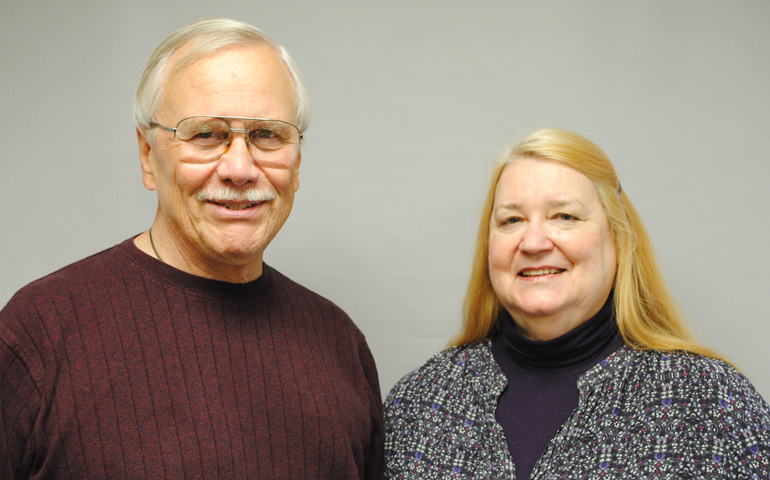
(647, 316)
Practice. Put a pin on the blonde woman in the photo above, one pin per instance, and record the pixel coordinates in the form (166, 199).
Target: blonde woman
(573, 361)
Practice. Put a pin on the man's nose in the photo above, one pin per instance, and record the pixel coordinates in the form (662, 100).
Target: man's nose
(237, 164)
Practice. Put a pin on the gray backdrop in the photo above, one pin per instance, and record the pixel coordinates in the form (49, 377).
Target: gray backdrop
(412, 103)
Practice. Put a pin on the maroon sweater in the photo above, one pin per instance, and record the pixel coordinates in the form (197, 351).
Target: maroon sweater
(120, 366)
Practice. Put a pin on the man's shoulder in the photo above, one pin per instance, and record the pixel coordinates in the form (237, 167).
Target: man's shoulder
(300, 294)
(67, 278)
(33, 321)
(307, 303)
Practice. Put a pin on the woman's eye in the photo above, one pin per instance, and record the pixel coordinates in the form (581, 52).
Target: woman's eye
(511, 220)
(566, 216)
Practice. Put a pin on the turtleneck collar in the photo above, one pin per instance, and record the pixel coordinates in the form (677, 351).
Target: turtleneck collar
(575, 351)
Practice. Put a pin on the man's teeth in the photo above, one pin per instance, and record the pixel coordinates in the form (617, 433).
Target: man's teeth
(236, 206)
(543, 271)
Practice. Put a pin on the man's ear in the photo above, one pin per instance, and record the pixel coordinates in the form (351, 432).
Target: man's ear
(145, 151)
(296, 172)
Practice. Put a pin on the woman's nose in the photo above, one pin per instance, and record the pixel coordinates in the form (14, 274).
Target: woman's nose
(536, 238)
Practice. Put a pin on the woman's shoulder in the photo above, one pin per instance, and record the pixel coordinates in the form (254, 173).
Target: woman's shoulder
(439, 419)
(692, 376)
(452, 369)
(685, 364)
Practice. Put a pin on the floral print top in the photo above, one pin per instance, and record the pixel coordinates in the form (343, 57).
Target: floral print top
(641, 415)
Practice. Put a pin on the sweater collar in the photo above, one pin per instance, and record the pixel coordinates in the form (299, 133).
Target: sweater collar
(176, 278)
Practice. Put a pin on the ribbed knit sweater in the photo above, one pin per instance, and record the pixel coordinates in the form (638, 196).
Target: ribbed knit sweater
(120, 366)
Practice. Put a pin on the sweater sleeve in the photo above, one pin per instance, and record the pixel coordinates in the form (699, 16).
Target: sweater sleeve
(376, 464)
(20, 404)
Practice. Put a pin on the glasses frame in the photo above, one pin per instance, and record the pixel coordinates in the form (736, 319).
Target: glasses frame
(227, 119)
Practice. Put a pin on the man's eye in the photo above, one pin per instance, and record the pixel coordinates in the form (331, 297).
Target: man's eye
(208, 138)
(264, 134)
(267, 139)
(210, 135)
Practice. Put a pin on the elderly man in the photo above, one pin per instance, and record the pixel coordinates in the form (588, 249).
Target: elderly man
(179, 353)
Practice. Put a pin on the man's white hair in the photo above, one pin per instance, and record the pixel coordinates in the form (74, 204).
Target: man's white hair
(203, 38)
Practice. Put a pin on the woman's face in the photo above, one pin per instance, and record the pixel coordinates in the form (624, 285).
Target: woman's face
(551, 253)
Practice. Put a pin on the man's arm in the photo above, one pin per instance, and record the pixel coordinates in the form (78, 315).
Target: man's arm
(375, 467)
(19, 407)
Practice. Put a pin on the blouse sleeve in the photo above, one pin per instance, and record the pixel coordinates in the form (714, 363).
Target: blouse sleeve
(440, 422)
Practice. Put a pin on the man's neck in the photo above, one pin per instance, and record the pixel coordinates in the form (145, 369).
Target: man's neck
(245, 272)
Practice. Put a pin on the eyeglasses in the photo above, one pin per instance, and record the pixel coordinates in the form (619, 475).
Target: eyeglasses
(212, 136)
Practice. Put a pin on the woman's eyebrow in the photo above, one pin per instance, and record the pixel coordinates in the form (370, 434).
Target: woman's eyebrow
(555, 203)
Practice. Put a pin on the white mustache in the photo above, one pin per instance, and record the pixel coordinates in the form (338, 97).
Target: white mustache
(228, 194)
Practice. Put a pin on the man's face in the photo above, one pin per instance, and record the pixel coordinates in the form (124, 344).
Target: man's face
(203, 232)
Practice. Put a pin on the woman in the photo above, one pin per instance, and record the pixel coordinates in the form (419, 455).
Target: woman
(573, 361)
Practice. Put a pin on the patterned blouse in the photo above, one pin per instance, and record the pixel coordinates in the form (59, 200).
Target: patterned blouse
(641, 415)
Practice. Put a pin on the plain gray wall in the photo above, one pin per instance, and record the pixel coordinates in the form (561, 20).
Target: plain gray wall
(412, 103)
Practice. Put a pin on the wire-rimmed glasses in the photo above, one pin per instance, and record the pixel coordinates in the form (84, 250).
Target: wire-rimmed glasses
(211, 136)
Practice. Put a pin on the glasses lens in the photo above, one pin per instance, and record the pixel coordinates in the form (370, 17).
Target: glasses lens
(205, 133)
(272, 135)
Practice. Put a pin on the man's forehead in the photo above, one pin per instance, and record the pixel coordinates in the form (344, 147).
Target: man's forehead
(191, 54)
(256, 70)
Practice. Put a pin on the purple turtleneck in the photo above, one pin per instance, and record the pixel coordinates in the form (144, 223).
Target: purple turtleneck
(542, 381)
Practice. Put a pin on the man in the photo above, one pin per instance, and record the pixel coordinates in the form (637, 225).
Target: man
(179, 353)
